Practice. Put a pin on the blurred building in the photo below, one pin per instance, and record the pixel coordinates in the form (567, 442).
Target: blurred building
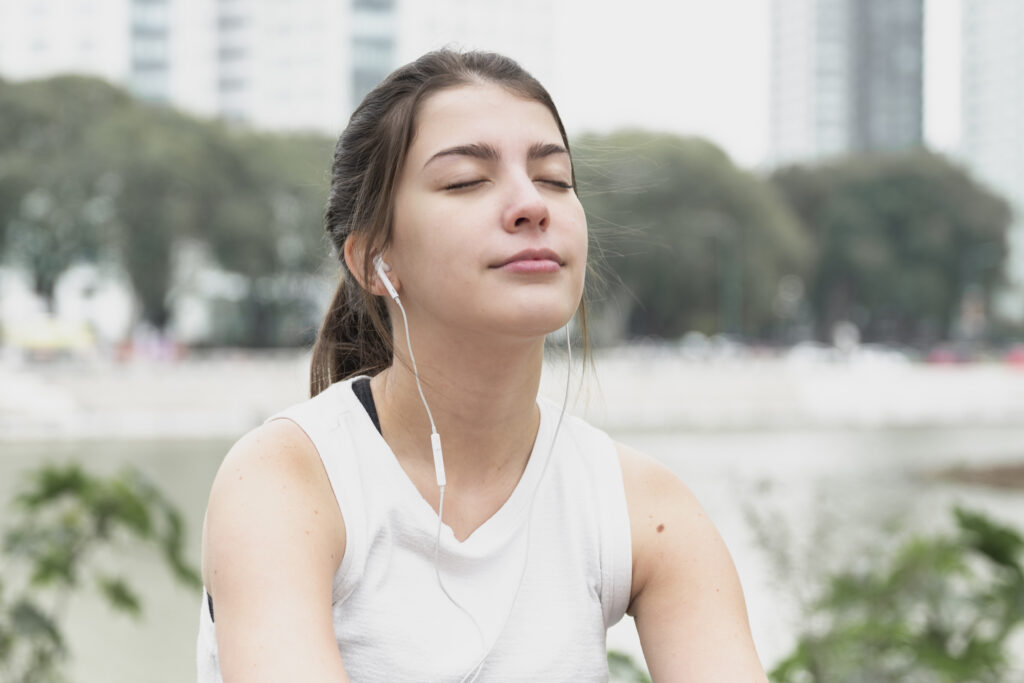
(39, 38)
(375, 37)
(992, 128)
(530, 31)
(170, 43)
(846, 75)
(283, 65)
(269, 64)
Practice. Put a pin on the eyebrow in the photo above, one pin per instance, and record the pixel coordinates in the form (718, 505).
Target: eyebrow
(487, 152)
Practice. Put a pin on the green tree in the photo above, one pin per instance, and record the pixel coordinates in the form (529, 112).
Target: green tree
(154, 158)
(88, 173)
(942, 609)
(697, 243)
(61, 523)
(271, 232)
(53, 204)
(898, 241)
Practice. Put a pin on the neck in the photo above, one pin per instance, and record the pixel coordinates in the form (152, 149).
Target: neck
(482, 397)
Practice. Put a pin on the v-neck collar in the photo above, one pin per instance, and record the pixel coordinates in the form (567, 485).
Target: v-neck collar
(495, 529)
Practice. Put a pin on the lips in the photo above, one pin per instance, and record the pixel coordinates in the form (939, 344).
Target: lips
(527, 255)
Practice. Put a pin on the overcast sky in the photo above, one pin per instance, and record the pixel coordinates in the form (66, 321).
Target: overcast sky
(702, 67)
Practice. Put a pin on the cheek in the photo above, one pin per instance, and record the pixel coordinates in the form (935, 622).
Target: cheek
(580, 246)
(578, 232)
(437, 248)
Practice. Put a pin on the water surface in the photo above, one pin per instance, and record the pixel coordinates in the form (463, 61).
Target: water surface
(789, 504)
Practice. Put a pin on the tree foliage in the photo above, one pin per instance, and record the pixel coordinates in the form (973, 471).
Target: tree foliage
(686, 240)
(61, 526)
(89, 174)
(898, 240)
(941, 610)
(53, 202)
(697, 243)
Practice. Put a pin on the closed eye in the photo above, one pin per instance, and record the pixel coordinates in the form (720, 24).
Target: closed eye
(459, 186)
(470, 183)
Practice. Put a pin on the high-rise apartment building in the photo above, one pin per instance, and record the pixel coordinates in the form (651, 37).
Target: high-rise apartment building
(283, 65)
(529, 31)
(847, 75)
(374, 44)
(992, 120)
(170, 45)
(150, 55)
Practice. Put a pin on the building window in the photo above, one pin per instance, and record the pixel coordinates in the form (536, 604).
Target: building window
(231, 84)
(231, 53)
(230, 22)
(373, 53)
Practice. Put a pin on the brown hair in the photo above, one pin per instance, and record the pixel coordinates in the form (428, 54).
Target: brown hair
(355, 337)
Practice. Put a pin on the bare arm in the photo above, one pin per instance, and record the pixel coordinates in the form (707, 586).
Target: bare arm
(272, 541)
(686, 597)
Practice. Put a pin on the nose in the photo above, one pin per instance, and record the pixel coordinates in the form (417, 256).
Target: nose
(526, 209)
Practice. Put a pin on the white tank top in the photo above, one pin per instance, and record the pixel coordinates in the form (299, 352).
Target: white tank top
(393, 623)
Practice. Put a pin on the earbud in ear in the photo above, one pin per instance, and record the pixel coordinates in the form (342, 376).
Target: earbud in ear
(382, 271)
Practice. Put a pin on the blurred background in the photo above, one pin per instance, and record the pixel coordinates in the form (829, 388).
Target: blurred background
(808, 297)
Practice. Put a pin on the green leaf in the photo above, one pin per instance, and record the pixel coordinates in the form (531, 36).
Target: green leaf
(119, 594)
(1002, 544)
(55, 566)
(6, 645)
(129, 499)
(622, 668)
(51, 482)
(32, 623)
(172, 542)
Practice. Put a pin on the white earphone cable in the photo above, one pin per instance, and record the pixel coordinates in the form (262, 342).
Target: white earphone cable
(439, 466)
(412, 359)
(435, 441)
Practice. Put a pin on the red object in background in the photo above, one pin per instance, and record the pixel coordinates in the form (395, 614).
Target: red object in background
(1015, 356)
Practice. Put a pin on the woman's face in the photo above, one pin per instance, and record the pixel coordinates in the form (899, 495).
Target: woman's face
(488, 235)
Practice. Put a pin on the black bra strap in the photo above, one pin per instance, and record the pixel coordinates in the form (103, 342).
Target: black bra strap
(361, 388)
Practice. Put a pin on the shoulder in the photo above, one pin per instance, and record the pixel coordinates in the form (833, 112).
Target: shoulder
(686, 596)
(653, 487)
(644, 473)
(662, 512)
(270, 488)
(272, 542)
(277, 452)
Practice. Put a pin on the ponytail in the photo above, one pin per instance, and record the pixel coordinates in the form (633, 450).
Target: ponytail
(353, 338)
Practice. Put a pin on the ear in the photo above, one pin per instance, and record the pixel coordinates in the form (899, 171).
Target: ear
(355, 253)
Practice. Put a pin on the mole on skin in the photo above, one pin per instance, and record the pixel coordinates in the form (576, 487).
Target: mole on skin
(661, 527)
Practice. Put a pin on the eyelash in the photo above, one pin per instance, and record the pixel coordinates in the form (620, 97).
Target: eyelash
(556, 183)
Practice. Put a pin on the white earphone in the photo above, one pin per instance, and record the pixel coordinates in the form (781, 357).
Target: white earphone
(382, 270)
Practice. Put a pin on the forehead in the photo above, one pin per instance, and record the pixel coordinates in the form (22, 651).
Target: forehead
(480, 113)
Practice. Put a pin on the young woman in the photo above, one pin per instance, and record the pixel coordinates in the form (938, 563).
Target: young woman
(425, 517)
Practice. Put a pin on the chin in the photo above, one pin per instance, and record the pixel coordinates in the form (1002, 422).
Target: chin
(538, 321)
(517, 315)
